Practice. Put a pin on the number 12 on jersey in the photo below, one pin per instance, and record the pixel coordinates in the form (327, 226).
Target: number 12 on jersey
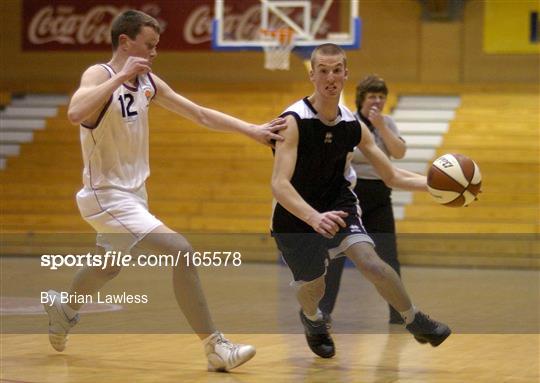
(126, 101)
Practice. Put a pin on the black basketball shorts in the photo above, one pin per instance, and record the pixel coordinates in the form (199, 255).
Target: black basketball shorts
(307, 254)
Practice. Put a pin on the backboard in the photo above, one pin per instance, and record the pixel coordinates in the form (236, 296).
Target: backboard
(237, 23)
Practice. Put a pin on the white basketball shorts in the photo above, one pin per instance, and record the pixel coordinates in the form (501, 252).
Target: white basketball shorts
(120, 218)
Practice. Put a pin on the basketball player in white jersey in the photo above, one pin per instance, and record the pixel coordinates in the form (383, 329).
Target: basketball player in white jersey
(111, 107)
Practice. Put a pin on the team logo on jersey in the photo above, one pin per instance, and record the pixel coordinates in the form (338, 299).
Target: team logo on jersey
(328, 138)
(147, 93)
(355, 229)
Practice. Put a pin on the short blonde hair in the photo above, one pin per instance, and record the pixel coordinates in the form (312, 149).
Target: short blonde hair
(328, 49)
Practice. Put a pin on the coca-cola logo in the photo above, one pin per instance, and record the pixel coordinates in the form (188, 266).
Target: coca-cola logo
(62, 25)
(198, 26)
(74, 24)
(236, 26)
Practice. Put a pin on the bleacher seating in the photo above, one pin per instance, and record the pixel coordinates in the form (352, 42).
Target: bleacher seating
(204, 181)
(500, 132)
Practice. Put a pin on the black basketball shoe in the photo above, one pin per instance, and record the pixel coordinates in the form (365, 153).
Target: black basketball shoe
(327, 317)
(427, 330)
(317, 336)
(395, 317)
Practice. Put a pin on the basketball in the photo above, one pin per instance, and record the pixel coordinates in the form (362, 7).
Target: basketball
(454, 180)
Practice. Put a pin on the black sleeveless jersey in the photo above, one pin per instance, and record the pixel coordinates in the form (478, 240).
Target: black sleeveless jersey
(323, 175)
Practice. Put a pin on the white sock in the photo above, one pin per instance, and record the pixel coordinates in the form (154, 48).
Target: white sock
(408, 316)
(318, 316)
(70, 313)
(210, 338)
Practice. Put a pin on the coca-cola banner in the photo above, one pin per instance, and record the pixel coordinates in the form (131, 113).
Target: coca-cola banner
(72, 25)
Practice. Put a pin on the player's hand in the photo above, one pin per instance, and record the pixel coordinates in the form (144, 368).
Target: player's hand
(479, 192)
(267, 134)
(376, 117)
(327, 224)
(135, 66)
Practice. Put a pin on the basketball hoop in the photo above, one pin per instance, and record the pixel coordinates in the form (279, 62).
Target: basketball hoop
(277, 52)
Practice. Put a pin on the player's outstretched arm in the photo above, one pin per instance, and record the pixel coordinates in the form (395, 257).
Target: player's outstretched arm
(413, 177)
(97, 86)
(392, 176)
(265, 134)
(326, 223)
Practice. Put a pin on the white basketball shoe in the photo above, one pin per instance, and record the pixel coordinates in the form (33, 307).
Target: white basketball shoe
(59, 323)
(223, 355)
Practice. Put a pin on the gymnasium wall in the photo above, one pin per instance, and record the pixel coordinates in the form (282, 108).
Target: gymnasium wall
(483, 67)
(396, 43)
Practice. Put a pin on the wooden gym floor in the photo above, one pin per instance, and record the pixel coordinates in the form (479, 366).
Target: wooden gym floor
(494, 315)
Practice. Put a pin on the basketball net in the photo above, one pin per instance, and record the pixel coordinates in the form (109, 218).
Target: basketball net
(277, 55)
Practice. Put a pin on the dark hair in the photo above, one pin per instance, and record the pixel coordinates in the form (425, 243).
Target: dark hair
(130, 23)
(328, 49)
(370, 84)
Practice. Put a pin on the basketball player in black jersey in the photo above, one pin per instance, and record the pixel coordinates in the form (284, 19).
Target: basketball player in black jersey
(317, 214)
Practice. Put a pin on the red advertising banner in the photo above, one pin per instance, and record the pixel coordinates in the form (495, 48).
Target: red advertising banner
(74, 25)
